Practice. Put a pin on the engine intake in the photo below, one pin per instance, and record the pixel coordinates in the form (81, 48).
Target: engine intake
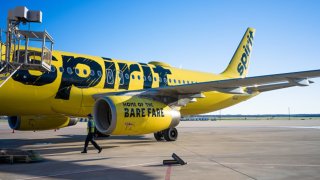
(105, 115)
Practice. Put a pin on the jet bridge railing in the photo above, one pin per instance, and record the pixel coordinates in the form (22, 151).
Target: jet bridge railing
(2, 49)
(24, 49)
(38, 57)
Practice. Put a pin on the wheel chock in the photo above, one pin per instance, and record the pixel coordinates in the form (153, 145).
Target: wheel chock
(176, 160)
(169, 162)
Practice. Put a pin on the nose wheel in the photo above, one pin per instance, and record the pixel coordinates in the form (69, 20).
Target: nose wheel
(170, 134)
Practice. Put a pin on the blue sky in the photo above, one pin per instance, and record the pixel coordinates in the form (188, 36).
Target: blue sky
(199, 35)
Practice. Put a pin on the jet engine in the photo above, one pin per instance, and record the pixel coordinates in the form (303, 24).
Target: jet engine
(132, 115)
(33, 123)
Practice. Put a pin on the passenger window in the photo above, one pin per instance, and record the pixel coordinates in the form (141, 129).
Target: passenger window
(61, 69)
(92, 73)
(139, 77)
(121, 78)
(179, 81)
(69, 70)
(144, 78)
(170, 80)
(149, 78)
(132, 76)
(183, 82)
(53, 69)
(99, 73)
(77, 71)
(174, 81)
(165, 80)
(155, 79)
(127, 76)
(160, 80)
(110, 78)
(85, 72)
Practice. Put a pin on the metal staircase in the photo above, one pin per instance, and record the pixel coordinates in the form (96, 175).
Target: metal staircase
(6, 73)
(15, 53)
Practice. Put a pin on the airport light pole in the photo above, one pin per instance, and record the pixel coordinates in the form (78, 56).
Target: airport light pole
(289, 112)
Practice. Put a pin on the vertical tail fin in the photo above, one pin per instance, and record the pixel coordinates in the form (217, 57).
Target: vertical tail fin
(238, 66)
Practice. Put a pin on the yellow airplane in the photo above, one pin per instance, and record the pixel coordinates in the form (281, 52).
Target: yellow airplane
(129, 98)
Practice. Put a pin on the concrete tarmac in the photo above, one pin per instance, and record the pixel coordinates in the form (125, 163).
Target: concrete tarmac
(273, 149)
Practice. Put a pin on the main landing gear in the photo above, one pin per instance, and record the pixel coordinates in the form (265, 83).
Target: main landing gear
(99, 134)
(170, 134)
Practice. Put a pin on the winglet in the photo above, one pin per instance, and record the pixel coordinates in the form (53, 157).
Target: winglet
(238, 66)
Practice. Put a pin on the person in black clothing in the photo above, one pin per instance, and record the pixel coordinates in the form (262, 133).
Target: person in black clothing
(90, 136)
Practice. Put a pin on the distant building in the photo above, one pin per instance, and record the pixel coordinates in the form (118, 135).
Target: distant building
(3, 117)
(199, 118)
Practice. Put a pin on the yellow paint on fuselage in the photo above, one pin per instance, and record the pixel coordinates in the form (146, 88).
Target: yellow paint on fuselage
(27, 99)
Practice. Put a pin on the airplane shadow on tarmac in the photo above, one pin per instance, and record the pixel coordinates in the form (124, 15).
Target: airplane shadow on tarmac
(73, 168)
(69, 170)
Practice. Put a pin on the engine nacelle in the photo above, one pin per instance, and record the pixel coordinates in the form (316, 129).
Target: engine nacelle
(33, 123)
(131, 115)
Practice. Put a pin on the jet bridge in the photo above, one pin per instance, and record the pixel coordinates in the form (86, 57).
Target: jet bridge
(16, 52)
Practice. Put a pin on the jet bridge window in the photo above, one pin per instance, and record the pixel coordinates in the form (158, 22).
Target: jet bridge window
(110, 78)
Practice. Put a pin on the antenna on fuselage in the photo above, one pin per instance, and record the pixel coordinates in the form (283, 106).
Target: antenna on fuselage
(15, 52)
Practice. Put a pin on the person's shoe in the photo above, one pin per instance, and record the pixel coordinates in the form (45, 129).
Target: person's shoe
(84, 152)
(100, 150)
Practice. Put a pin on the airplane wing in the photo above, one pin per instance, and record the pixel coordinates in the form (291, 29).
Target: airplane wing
(257, 83)
(248, 85)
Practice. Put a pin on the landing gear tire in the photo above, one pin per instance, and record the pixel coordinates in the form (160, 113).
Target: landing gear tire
(170, 134)
(99, 134)
(158, 136)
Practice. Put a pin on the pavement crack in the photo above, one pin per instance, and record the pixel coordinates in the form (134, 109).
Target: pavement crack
(215, 161)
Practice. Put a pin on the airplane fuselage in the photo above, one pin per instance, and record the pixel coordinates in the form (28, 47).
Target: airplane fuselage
(69, 87)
